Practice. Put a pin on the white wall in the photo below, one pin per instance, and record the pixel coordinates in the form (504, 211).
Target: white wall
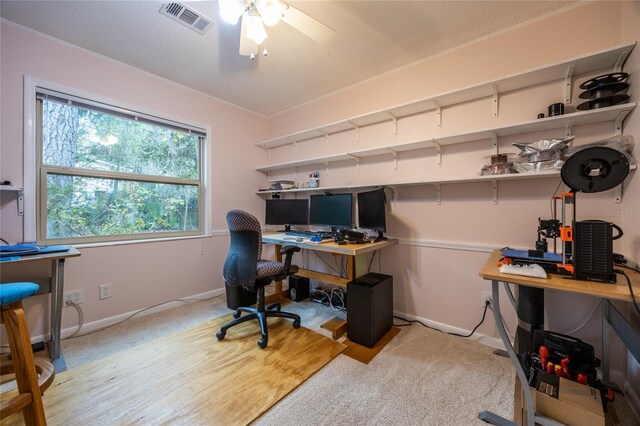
(442, 285)
(433, 283)
(141, 274)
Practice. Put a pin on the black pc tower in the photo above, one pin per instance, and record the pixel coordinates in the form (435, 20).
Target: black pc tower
(369, 308)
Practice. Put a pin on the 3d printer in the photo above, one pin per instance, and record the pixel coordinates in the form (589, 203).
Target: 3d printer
(586, 250)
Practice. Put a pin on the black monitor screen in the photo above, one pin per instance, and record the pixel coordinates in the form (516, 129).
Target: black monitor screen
(371, 210)
(287, 212)
(331, 210)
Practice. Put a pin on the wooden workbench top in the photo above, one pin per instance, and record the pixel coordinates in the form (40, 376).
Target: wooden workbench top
(617, 291)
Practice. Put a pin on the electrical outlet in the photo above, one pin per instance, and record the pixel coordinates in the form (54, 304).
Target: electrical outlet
(73, 298)
(485, 297)
(105, 291)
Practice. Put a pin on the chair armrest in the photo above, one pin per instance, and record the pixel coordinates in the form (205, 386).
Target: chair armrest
(288, 252)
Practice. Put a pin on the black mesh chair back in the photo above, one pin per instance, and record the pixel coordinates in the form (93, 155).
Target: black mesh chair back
(244, 268)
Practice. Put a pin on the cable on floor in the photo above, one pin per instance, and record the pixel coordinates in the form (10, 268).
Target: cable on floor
(75, 333)
(410, 322)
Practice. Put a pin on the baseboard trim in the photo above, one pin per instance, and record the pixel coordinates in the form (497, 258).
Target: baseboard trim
(493, 342)
(106, 322)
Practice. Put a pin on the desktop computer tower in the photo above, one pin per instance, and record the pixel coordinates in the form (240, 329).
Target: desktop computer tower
(298, 288)
(369, 308)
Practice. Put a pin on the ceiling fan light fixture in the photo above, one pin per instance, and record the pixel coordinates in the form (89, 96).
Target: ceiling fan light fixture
(255, 27)
(270, 10)
(231, 10)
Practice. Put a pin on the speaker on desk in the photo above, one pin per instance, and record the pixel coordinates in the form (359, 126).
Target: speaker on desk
(298, 288)
(369, 308)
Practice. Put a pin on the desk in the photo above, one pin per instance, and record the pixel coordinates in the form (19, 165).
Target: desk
(55, 286)
(606, 291)
(356, 263)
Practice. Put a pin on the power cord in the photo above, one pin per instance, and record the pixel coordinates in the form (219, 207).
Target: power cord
(410, 322)
(327, 263)
(633, 296)
(81, 317)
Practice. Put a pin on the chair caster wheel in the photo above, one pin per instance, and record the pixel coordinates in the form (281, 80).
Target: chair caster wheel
(237, 314)
(296, 324)
(262, 343)
(220, 335)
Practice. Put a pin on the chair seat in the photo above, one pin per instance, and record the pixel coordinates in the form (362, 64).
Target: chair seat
(14, 292)
(270, 268)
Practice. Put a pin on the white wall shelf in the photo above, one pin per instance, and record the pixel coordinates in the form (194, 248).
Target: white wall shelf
(612, 58)
(20, 194)
(494, 179)
(487, 178)
(614, 114)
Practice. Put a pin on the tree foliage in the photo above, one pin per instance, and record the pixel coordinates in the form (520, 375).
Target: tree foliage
(80, 206)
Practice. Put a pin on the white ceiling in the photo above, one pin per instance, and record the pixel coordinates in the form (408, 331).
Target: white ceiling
(372, 37)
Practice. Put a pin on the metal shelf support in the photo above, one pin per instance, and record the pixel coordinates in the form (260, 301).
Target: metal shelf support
(438, 200)
(621, 60)
(395, 158)
(268, 153)
(567, 128)
(395, 123)
(438, 113)
(326, 139)
(438, 151)
(568, 83)
(357, 129)
(617, 194)
(494, 183)
(495, 101)
(355, 157)
(494, 143)
(619, 121)
(326, 169)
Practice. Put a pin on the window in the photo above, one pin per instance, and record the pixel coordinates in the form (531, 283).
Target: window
(108, 174)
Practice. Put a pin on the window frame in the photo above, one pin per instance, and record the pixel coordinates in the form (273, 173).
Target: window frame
(35, 172)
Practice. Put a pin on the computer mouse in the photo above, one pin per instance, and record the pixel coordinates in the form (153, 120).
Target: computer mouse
(299, 239)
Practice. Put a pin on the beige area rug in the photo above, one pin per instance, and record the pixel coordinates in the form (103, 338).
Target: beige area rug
(421, 377)
(190, 378)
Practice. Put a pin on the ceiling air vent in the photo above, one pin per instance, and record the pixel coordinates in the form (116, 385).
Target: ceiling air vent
(187, 17)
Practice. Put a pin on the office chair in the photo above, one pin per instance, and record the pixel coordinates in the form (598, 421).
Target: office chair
(244, 267)
(32, 375)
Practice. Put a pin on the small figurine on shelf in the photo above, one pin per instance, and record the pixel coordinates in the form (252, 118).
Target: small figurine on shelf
(314, 180)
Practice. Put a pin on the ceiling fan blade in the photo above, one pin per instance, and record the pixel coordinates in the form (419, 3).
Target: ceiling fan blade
(307, 25)
(248, 47)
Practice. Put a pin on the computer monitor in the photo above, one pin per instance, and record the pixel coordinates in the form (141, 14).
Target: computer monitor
(372, 211)
(334, 210)
(286, 212)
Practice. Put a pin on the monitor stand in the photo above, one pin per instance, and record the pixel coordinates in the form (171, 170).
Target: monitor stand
(287, 228)
(380, 237)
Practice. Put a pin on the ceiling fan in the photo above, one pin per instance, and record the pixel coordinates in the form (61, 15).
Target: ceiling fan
(255, 14)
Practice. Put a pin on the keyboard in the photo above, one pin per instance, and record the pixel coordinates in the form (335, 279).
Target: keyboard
(308, 234)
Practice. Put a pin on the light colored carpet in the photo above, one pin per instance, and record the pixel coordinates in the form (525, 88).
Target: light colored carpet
(422, 377)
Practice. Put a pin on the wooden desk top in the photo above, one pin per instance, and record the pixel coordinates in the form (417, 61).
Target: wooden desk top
(48, 256)
(348, 249)
(617, 291)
